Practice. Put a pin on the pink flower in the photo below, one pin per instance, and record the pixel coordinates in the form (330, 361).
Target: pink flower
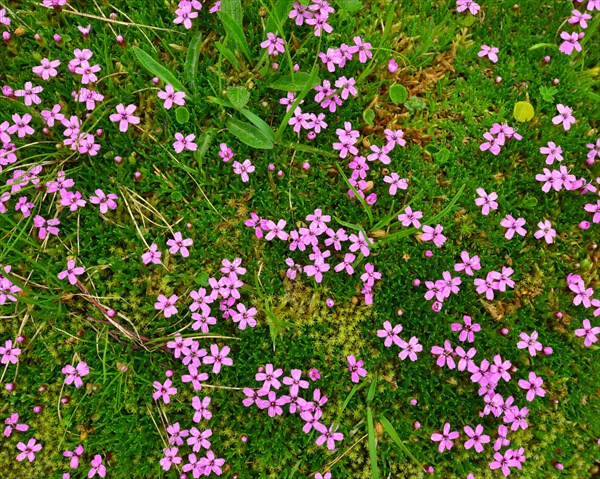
(595, 209)
(445, 355)
(21, 125)
(503, 462)
(513, 226)
(487, 202)
(8, 353)
(493, 143)
(272, 403)
(12, 422)
(579, 18)
(71, 272)
(29, 93)
(467, 332)
(97, 467)
(445, 438)
(409, 349)
(434, 234)
(362, 48)
(28, 450)
(329, 435)
(152, 255)
(490, 52)
(276, 230)
(327, 475)
(186, 143)
(47, 69)
(199, 439)
(476, 438)
(87, 72)
(409, 217)
(462, 5)
(243, 169)
(564, 116)
(178, 244)
(105, 201)
(218, 358)
(170, 96)
(164, 391)
(75, 454)
(468, 264)
(545, 231)
(166, 305)
(570, 43)
(553, 152)
(185, 15)
(74, 374)
(395, 183)
(170, 458)
(124, 116)
(356, 369)
(390, 334)
(530, 342)
(245, 317)
(295, 382)
(588, 332)
(273, 44)
(533, 386)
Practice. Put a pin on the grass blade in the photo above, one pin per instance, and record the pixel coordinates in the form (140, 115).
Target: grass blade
(387, 426)
(372, 443)
(157, 69)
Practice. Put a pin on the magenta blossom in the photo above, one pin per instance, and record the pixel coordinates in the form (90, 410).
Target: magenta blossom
(75, 454)
(71, 272)
(530, 342)
(178, 244)
(164, 391)
(12, 423)
(390, 334)
(28, 450)
(533, 386)
(152, 255)
(476, 438)
(166, 305)
(564, 116)
(329, 435)
(8, 353)
(218, 358)
(588, 333)
(124, 116)
(467, 332)
(356, 369)
(409, 349)
(273, 44)
(513, 226)
(97, 467)
(487, 202)
(74, 374)
(170, 96)
(570, 43)
(445, 438)
(184, 143)
(490, 52)
(434, 234)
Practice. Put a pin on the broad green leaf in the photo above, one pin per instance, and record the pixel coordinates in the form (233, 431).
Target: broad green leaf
(372, 389)
(238, 96)
(227, 53)
(398, 94)
(235, 31)
(523, 111)
(442, 156)
(233, 8)
(296, 83)
(182, 115)
(191, 61)
(249, 134)
(157, 69)
(254, 119)
(369, 116)
(372, 444)
(350, 6)
(542, 45)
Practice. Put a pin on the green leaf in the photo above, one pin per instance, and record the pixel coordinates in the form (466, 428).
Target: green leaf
(157, 69)
(369, 117)
(191, 61)
(387, 426)
(398, 94)
(204, 141)
(372, 389)
(238, 96)
(182, 115)
(547, 93)
(350, 6)
(523, 111)
(202, 278)
(296, 83)
(442, 156)
(249, 134)
(542, 45)
(176, 196)
(372, 444)
(254, 119)
(233, 8)
(227, 53)
(236, 32)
